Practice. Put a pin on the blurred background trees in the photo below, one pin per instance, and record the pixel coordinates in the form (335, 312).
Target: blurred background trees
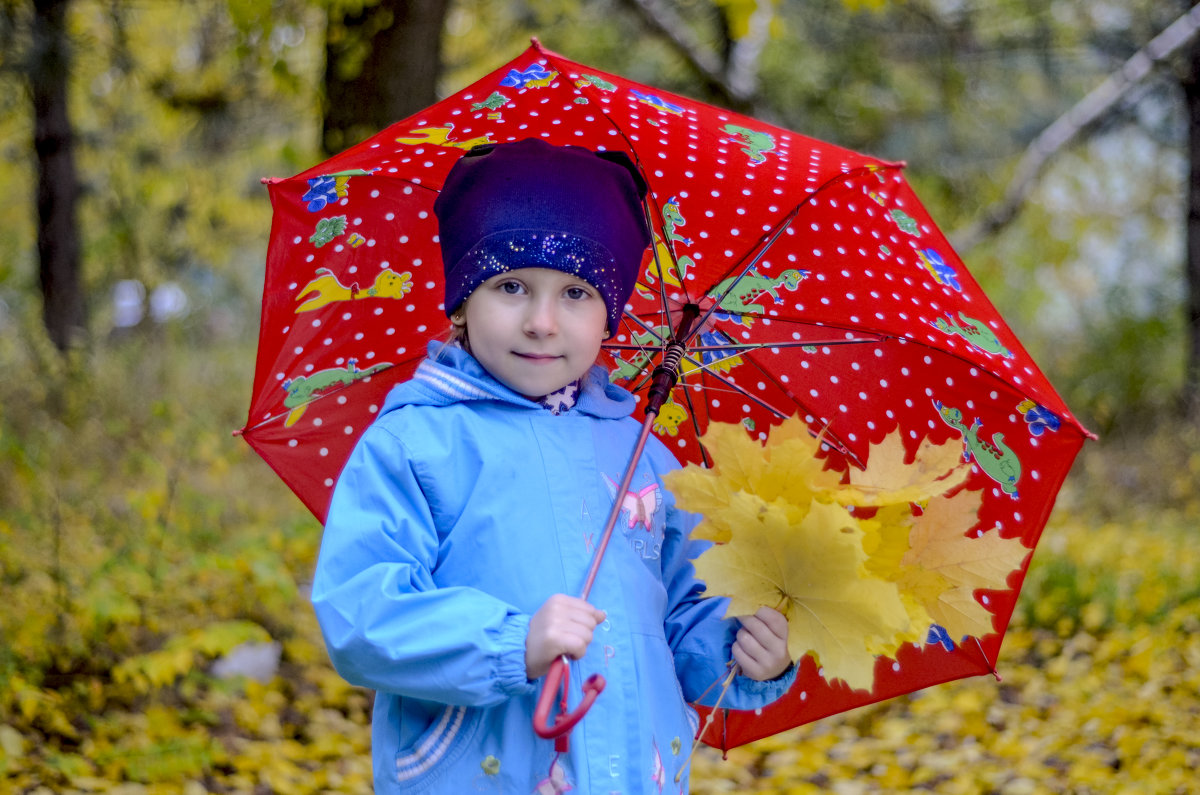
(136, 134)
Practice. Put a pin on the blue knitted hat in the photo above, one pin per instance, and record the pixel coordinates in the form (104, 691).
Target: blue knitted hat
(530, 204)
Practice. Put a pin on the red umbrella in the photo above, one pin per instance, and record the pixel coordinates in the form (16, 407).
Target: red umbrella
(788, 276)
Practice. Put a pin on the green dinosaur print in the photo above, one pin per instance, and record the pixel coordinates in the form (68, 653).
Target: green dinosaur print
(743, 296)
(351, 172)
(995, 458)
(906, 222)
(303, 389)
(598, 82)
(493, 102)
(672, 219)
(975, 332)
(628, 368)
(327, 229)
(756, 145)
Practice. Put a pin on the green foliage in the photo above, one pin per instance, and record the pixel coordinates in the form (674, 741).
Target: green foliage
(1090, 279)
(128, 564)
(178, 111)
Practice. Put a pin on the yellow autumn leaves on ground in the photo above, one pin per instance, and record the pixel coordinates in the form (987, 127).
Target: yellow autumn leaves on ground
(855, 567)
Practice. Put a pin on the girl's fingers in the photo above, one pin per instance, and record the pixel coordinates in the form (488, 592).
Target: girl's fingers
(751, 650)
(750, 644)
(563, 625)
(750, 665)
(754, 626)
(774, 620)
(761, 645)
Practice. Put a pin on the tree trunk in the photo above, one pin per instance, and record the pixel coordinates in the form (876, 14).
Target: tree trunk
(57, 183)
(1191, 90)
(381, 65)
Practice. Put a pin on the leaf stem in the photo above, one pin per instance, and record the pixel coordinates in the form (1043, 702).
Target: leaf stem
(734, 670)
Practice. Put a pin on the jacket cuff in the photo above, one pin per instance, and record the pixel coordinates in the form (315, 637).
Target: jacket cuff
(768, 690)
(510, 662)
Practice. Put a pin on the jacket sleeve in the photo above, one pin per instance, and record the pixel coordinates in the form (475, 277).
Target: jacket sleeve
(386, 624)
(700, 638)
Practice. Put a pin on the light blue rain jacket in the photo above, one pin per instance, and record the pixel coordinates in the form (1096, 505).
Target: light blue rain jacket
(462, 509)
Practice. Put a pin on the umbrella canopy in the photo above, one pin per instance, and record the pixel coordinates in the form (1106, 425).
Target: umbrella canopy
(810, 279)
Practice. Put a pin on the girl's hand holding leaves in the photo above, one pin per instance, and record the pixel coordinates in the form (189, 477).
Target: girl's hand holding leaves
(761, 648)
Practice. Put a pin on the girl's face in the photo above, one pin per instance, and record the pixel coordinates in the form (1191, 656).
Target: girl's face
(535, 329)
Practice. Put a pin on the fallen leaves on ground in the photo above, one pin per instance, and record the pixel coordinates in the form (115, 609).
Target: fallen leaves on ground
(111, 556)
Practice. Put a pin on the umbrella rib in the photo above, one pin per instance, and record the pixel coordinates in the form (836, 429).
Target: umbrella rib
(273, 417)
(775, 235)
(645, 327)
(734, 387)
(644, 368)
(762, 250)
(751, 346)
(662, 283)
(826, 431)
(707, 462)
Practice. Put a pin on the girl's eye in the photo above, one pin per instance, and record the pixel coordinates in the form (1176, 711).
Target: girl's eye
(510, 287)
(577, 293)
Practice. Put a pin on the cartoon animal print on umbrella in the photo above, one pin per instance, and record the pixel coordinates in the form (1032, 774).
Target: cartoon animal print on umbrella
(995, 458)
(303, 389)
(325, 289)
(975, 332)
(757, 145)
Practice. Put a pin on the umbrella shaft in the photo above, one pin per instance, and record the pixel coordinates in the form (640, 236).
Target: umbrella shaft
(666, 375)
(598, 555)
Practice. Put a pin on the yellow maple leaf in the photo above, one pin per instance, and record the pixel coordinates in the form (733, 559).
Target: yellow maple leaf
(944, 566)
(808, 564)
(888, 479)
(721, 519)
(852, 586)
(791, 467)
(885, 540)
(787, 466)
(698, 491)
(737, 459)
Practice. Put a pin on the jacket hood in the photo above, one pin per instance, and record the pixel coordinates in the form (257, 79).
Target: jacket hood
(451, 375)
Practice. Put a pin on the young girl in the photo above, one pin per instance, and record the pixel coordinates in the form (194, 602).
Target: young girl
(469, 512)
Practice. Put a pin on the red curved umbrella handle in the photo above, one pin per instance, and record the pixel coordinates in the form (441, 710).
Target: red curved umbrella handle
(564, 721)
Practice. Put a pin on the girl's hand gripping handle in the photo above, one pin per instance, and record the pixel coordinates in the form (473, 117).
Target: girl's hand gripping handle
(564, 721)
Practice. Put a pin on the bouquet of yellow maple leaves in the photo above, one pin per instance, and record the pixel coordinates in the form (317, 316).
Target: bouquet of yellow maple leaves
(860, 562)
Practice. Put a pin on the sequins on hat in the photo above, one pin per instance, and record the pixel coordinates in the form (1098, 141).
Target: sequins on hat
(530, 204)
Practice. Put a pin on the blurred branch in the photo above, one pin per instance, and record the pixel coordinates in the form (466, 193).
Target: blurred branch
(663, 19)
(1083, 117)
(742, 70)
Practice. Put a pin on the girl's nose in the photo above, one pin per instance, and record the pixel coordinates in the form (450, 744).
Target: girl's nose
(541, 320)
